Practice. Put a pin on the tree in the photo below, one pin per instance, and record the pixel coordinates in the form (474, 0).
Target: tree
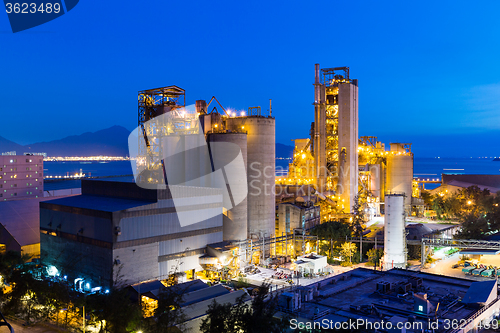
(223, 317)
(473, 227)
(359, 216)
(374, 256)
(114, 311)
(169, 313)
(347, 250)
(332, 231)
(254, 318)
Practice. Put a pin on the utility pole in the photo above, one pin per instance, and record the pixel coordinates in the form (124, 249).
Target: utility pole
(361, 247)
(84, 319)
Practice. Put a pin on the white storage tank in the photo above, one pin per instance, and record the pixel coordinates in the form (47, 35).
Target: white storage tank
(394, 232)
(400, 170)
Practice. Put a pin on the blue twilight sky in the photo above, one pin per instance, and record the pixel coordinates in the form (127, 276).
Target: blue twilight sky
(428, 71)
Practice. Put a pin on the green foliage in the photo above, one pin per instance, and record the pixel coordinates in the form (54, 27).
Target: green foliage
(169, 312)
(241, 283)
(242, 317)
(114, 310)
(374, 256)
(347, 250)
(332, 232)
(414, 252)
(359, 216)
(476, 209)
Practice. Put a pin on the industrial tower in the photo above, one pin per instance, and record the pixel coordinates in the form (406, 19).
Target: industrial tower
(335, 129)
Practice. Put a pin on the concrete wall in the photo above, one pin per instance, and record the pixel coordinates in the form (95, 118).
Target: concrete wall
(21, 176)
(77, 259)
(93, 227)
(136, 263)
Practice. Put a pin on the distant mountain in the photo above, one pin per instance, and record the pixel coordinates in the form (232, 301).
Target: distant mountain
(284, 150)
(112, 141)
(7, 145)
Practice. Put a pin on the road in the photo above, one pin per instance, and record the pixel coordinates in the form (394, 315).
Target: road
(18, 327)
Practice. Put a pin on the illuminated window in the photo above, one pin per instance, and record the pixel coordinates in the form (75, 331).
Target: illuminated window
(421, 308)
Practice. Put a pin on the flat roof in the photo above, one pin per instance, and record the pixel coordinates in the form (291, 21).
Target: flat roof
(479, 252)
(21, 218)
(100, 203)
(358, 288)
(203, 294)
(200, 309)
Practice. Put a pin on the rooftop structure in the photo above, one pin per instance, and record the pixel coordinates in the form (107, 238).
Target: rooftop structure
(398, 296)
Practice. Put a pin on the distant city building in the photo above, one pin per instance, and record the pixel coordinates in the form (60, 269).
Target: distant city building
(37, 154)
(21, 177)
(7, 153)
(118, 229)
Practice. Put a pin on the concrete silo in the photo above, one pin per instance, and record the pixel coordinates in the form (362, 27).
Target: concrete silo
(235, 220)
(261, 157)
(400, 171)
(394, 232)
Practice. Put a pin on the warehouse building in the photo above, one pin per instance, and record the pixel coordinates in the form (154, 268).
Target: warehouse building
(118, 232)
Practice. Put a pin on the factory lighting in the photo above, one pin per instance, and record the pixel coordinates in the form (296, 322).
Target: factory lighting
(52, 271)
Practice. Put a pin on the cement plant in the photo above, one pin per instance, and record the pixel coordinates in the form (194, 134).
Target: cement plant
(343, 238)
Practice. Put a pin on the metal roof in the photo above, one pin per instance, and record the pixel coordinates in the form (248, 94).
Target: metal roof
(479, 251)
(200, 309)
(481, 292)
(100, 203)
(203, 294)
(21, 218)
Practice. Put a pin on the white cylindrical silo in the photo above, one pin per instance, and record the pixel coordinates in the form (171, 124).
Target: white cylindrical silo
(400, 173)
(394, 232)
(235, 220)
(261, 158)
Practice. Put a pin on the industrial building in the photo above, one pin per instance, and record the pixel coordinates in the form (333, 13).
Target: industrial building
(119, 230)
(211, 124)
(21, 177)
(393, 301)
(296, 215)
(450, 184)
(342, 166)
